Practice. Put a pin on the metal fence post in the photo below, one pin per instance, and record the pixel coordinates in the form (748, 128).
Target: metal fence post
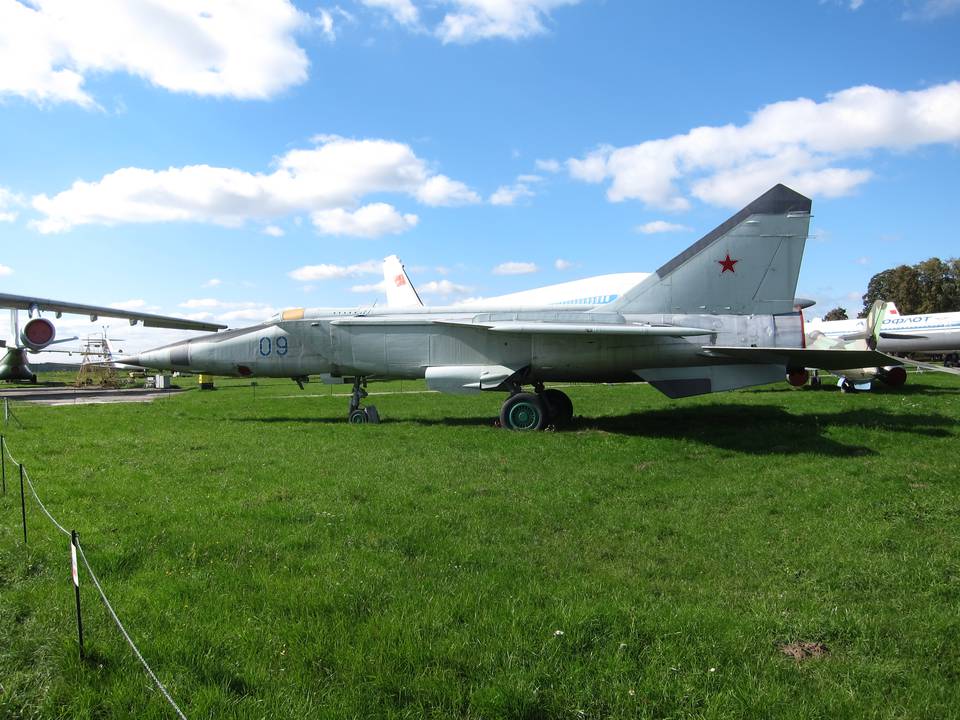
(3, 463)
(76, 585)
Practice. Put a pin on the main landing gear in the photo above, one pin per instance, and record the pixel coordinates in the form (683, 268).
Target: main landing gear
(536, 410)
(357, 414)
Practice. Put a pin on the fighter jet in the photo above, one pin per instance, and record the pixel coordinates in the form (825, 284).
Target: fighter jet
(718, 316)
(38, 333)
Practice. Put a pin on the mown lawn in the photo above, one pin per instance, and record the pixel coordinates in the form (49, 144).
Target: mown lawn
(272, 561)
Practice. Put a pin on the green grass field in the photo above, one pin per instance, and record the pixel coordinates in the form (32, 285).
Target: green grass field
(272, 561)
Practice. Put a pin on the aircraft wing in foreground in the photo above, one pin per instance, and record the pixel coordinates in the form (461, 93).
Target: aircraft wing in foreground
(38, 333)
(718, 316)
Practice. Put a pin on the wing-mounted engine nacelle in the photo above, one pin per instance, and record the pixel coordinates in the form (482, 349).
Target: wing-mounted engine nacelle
(38, 333)
(798, 378)
(893, 376)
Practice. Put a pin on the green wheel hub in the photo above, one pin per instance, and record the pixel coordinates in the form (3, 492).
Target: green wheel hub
(524, 416)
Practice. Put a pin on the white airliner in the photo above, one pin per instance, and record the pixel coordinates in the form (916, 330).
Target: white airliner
(927, 333)
(584, 293)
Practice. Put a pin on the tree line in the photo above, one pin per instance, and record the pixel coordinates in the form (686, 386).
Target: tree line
(930, 286)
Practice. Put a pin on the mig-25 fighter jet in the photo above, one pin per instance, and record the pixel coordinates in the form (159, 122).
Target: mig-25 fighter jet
(718, 316)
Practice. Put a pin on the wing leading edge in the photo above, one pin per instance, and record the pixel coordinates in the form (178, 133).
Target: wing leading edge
(26, 302)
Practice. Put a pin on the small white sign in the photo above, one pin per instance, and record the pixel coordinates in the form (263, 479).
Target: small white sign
(73, 563)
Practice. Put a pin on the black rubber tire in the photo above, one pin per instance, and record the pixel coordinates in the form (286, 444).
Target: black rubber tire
(358, 417)
(523, 411)
(559, 406)
(847, 387)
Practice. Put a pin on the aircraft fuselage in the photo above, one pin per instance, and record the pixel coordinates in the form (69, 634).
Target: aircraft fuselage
(392, 345)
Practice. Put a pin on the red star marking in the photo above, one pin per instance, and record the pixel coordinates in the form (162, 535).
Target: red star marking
(400, 280)
(727, 264)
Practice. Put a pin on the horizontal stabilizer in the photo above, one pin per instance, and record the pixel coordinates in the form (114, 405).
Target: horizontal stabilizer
(552, 328)
(805, 357)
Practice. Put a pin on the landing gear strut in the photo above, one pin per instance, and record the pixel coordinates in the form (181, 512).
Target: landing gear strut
(536, 410)
(357, 414)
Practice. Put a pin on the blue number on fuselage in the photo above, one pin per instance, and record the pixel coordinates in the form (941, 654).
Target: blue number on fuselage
(281, 345)
(264, 348)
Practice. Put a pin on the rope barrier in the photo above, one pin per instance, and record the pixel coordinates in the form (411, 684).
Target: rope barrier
(126, 636)
(26, 476)
(96, 583)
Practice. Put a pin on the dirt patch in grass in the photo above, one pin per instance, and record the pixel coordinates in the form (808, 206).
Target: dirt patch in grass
(804, 650)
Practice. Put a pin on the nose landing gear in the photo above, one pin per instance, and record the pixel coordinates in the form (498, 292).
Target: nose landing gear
(359, 415)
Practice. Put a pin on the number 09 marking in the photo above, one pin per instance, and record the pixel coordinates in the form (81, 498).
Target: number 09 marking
(266, 346)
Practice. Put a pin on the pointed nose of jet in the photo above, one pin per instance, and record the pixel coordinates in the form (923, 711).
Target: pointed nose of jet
(168, 357)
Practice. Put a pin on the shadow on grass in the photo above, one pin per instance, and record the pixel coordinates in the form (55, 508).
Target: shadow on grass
(739, 427)
(449, 421)
(765, 430)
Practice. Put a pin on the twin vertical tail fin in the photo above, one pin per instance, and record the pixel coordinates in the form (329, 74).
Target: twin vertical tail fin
(748, 265)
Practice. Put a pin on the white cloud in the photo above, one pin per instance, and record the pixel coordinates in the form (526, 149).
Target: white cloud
(932, 10)
(273, 231)
(660, 226)
(324, 21)
(309, 273)
(137, 304)
(213, 282)
(226, 312)
(799, 142)
(441, 190)
(550, 166)
(337, 173)
(561, 264)
(7, 201)
(529, 178)
(856, 4)
(515, 268)
(222, 48)
(509, 194)
(402, 11)
(473, 20)
(377, 287)
(863, 260)
(254, 313)
(5, 270)
(443, 288)
(202, 302)
(369, 221)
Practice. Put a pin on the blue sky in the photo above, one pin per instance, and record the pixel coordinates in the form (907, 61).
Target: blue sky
(197, 159)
